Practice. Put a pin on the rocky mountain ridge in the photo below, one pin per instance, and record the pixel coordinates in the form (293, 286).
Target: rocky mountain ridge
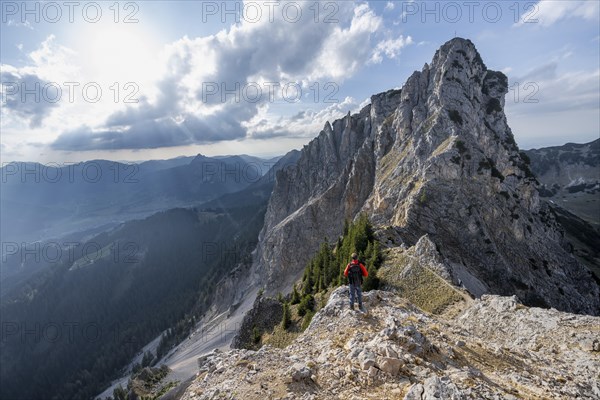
(570, 176)
(490, 348)
(435, 158)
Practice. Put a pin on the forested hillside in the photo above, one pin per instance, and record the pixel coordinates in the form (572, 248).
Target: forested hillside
(80, 322)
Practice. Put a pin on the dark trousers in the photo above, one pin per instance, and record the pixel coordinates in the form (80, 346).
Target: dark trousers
(355, 293)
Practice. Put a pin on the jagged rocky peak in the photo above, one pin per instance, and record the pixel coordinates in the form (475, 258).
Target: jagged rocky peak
(449, 123)
(435, 158)
(455, 96)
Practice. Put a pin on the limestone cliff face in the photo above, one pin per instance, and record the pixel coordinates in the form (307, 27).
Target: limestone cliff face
(331, 181)
(438, 158)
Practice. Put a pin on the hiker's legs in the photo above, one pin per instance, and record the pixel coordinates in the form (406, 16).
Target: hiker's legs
(352, 288)
(359, 295)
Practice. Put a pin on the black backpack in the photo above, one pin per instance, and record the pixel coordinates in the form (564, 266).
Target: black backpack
(355, 276)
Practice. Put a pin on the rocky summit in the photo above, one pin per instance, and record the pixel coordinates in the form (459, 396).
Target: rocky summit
(491, 348)
(437, 159)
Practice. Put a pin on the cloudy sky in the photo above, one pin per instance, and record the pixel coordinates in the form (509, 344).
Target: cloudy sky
(144, 80)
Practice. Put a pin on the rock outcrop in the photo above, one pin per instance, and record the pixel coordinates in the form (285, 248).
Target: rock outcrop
(264, 315)
(494, 348)
(435, 158)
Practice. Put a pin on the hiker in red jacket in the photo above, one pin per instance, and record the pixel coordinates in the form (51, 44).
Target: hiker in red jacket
(355, 271)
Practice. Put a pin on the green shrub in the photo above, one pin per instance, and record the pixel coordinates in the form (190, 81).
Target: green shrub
(295, 296)
(372, 281)
(147, 359)
(136, 368)
(286, 318)
(306, 304)
(423, 198)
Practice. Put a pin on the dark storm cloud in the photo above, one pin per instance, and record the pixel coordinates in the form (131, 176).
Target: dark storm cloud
(28, 96)
(152, 133)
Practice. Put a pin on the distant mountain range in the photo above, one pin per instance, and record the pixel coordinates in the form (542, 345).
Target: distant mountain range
(41, 202)
(570, 177)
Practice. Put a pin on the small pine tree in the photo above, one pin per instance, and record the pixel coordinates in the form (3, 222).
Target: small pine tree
(307, 287)
(147, 359)
(295, 296)
(372, 281)
(306, 304)
(136, 368)
(286, 318)
(326, 268)
(119, 393)
(373, 256)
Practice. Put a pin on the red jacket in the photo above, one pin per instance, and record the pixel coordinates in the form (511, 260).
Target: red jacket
(362, 267)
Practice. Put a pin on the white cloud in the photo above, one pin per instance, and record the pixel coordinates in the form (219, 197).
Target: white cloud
(548, 12)
(54, 81)
(54, 62)
(389, 6)
(180, 110)
(347, 50)
(390, 48)
(304, 124)
(51, 61)
(245, 55)
(364, 103)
